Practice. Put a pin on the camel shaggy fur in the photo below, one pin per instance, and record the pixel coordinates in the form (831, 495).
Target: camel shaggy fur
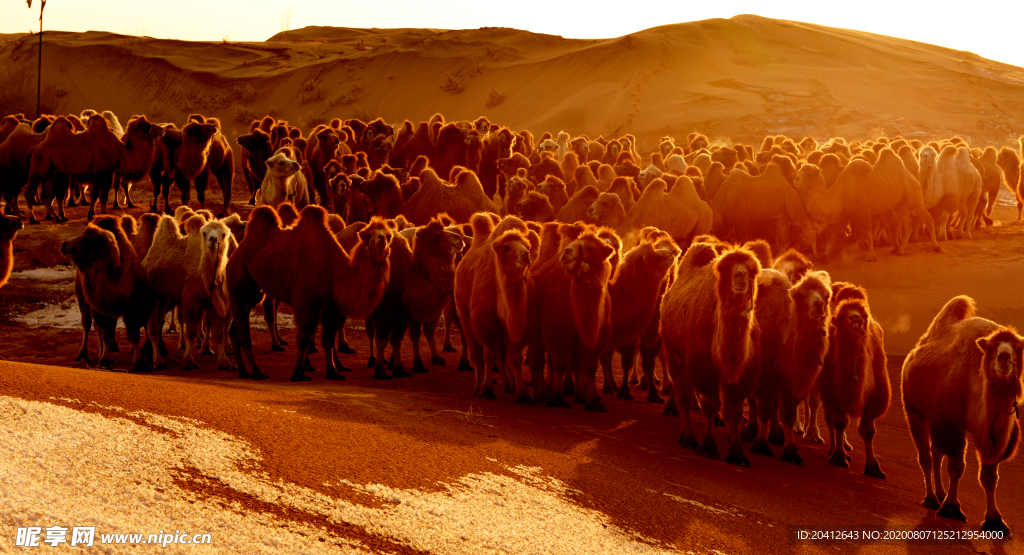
(110, 283)
(92, 156)
(536, 207)
(964, 376)
(854, 382)
(793, 320)
(570, 312)
(460, 200)
(284, 181)
(305, 267)
(951, 185)
(491, 299)
(1009, 163)
(422, 280)
(678, 211)
(9, 227)
(745, 203)
(707, 325)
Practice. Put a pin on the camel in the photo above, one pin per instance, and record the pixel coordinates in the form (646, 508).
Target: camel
(93, 156)
(707, 326)
(951, 185)
(378, 194)
(143, 238)
(9, 227)
(166, 265)
(1009, 163)
(204, 296)
(964, 376)
(516, 189)
(460, 200)
(256, 149)
(554, 189)
(793, 319)
(570, 312)
(325, 146)
(635, 290)
(305, 267)
(15, 158)
(863, 194)
(422, 280)
(491, 299)
(204, 151)
(536, 207)
(576, 208)
(745, 203)
(853, 381)
(991, 180)
(110, 283)
(284, 181)
(678, 211)
(139, 140)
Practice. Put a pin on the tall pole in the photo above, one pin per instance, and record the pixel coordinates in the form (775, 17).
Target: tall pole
(39, 81)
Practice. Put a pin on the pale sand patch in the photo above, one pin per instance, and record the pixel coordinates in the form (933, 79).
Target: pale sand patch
(71, 468)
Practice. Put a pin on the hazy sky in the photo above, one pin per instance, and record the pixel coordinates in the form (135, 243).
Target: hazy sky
(990, 28)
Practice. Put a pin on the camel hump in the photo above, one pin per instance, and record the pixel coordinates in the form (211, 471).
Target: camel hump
(482, 227)
(859, 167)
(698, 256)
(263, 220)
(312, 217)
(958, 309)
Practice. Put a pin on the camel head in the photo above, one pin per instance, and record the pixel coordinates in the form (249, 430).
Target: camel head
(198, 133)
(851, 320)
(93, 246)
(518, 185)
(607, 204)
(437, 240)
(547, 146)
(586, 254)
(328, 141)
(926, 159)
(9, 226)
(281, 166)
(377, 236)
(215, 236)
(1002, 354)
(811, 296)
(580, 146)
(512, 250)
(808, 178)
(535, 207)
(736, 274)
(550, 186)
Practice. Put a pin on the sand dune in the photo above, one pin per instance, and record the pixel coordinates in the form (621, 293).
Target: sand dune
(736, 79)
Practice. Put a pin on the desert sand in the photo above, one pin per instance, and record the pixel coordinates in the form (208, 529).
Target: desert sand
(407, 455)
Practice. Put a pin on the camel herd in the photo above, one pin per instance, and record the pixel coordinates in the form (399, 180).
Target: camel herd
(558, 251)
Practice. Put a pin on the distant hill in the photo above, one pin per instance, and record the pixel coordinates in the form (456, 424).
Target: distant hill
(734, 79)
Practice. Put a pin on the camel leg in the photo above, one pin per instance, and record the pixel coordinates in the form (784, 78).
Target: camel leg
(218, 335)
(628, 357)
(224, 180)
(430, 331)
(86, 312)
(683, 394)
(801, 417)
(415, 330)
(378, 343)
(329, 321)
(484, 372)
(105, 326)
(812, 432)
(154, 328)
(204, 334)
(579, 392)
(166, 193)
(776, 434)
(556, 383)
(957, 445)
(464, 364)
(270, 317)
(733, 410)
(30, 198)
(536, 362)
(787, 414)
(514, 365)
(666, 380)
(60, 189)
(647, 369)
(989, 476)
(449, 320)
(708, 447)
(919, 431)
(608, 386)
(867, 432)
(307, 316)
(761, 411)
(837, 428)
(397, 333)
(201, 182)
(193, 318)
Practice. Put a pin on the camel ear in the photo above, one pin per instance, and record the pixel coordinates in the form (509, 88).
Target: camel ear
(982, 344)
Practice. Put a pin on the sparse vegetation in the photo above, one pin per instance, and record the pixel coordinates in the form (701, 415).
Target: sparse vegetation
(494, 98)
(346, 99)
(61, 92)
(156, 111)
(453, 83)
(245, 94)
(360, 46)
(286, 19)
(244, 115)
(312, 118)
